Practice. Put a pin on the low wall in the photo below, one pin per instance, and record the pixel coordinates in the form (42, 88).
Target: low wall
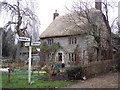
(94, 68)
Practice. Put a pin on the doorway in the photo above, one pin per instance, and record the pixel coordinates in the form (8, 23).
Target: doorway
(60, 57)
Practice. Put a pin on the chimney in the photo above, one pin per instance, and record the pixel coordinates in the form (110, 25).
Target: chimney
(98, 4)
(55, 15)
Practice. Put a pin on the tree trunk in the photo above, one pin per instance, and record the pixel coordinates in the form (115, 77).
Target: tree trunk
(100, 54)
(18, 52)
(49, 75)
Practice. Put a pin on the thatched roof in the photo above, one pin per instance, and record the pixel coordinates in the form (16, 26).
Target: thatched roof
(70, 24)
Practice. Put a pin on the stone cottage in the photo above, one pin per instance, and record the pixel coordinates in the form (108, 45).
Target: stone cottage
(80, 39)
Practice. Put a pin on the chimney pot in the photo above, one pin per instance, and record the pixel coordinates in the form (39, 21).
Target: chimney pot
(55, 15)
(98, 4)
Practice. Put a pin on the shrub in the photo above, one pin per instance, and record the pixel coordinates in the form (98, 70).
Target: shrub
(74, 72)
(115, 67)
(52, 48)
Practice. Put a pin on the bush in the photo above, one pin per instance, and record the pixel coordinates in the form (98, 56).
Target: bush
(115, 67)
(74, 72)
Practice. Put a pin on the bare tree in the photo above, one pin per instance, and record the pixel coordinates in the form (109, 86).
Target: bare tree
(107, 5)
(115, 26)
(118, 28)
(8, 46)
(82, 9)
(22, 20)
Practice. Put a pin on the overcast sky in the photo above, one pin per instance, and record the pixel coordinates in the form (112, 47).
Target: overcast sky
(48, 7)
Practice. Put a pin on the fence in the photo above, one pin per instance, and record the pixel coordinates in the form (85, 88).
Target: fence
(16, 76)
(88, 70)
(20, 72)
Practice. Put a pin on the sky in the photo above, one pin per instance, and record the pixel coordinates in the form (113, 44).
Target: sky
(48, 7)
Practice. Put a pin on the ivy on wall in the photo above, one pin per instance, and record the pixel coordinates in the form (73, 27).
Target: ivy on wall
(51, 48)
(96, 36)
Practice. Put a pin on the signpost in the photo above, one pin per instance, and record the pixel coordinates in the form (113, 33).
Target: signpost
(27, 44)
(25, 39)
(30, 44)
(35, 44)
(29, 67)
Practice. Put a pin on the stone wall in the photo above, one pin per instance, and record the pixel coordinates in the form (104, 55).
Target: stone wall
(70, 48)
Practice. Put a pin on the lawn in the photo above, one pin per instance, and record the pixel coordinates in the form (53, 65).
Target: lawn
(21, 81)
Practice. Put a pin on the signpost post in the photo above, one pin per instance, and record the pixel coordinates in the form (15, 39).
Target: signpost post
(29, 67)
(30, 44)
(25, 39)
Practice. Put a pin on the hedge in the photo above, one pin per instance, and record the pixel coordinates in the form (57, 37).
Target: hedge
(74, 72)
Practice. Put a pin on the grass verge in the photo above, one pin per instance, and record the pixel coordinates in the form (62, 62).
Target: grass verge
(21, 81)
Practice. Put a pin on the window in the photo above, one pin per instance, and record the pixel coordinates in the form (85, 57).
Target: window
(72, 57)
(50, 41)
(50, 56)
(73, 40)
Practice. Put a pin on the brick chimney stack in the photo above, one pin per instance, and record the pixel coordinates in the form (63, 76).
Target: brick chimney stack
(98, 4)
(55, 15)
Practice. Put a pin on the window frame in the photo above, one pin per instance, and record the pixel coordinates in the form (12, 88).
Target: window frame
(73, 40)
(72, 57)
(50, 41)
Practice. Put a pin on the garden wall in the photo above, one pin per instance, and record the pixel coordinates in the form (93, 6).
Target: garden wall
(95, 68)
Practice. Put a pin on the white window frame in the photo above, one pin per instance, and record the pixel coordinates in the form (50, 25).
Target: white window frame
(73, 40)
(50, 41)
(72, 57)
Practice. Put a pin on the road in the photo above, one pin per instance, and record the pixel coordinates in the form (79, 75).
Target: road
(109, 80)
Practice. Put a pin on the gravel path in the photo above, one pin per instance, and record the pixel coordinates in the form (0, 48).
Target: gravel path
(109, 80)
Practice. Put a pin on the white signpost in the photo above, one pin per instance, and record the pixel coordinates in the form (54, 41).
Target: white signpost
(35, 44)
(28, 43)
(29, 67)
(25, 39)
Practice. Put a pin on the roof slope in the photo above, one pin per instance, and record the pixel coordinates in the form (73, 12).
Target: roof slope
(70, 24)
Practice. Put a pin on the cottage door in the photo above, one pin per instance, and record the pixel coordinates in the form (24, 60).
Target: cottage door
(60, 57)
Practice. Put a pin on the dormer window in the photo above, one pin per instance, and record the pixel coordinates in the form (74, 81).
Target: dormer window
(73, 40)
(50, 41)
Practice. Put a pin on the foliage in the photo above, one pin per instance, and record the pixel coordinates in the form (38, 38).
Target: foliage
(115, 67)
(44, 47)
(52, 48)
(74, 72)
(8, 47)
(51, 69)
(95, 34)
(115, 35)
